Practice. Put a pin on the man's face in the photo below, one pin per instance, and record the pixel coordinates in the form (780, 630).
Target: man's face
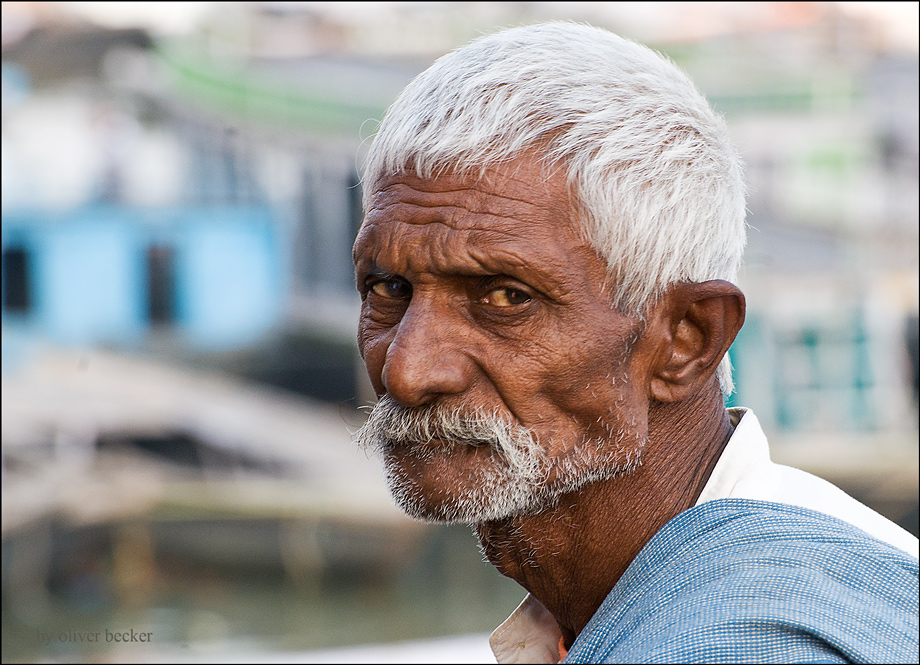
(481, 301)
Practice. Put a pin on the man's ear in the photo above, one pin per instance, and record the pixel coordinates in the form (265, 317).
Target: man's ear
(694, 325)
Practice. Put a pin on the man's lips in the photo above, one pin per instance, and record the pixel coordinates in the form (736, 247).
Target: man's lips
(437, 444)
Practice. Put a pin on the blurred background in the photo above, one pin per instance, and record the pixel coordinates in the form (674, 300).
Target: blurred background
(180, 193)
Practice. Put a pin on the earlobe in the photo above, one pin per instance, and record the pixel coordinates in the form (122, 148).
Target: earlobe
(697, 324)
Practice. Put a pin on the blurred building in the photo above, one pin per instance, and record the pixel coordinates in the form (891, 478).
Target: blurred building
(199, 196)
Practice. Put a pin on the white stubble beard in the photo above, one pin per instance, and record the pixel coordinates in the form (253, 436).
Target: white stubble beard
(515, 482)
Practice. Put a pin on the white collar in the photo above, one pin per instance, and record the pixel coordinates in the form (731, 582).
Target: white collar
(744, 469)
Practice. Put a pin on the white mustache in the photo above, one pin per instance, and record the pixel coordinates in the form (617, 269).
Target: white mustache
(431, 429)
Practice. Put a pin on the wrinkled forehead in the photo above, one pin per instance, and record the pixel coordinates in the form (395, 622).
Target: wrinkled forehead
(518, 193)
(532, 163)
(521, 186)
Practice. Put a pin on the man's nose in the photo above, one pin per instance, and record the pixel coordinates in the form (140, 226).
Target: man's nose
(426, 358)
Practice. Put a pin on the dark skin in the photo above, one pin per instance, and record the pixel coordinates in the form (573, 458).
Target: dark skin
(482, 293)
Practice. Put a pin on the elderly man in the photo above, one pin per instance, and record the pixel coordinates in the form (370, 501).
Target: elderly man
(554, 223)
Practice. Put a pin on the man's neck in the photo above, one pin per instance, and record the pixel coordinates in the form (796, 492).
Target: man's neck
(571, 555)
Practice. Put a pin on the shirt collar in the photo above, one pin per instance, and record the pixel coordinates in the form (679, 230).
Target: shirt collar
(529, 635)
(744, 469)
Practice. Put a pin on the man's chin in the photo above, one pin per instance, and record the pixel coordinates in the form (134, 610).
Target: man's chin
(473, 484)
(432, 490)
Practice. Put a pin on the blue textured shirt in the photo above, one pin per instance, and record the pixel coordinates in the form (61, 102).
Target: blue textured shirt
(743, 581)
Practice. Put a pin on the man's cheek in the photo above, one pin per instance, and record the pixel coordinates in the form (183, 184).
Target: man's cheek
(374, 352)
(362, 343)
(370, 336)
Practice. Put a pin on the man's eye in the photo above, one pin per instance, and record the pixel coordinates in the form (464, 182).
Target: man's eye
(391, 288)
(506, 297)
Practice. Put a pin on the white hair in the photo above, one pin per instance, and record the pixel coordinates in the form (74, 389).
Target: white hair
(658, 186)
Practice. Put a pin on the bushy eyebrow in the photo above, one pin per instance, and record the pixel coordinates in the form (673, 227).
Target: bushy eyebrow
(377, 271)
(374, 271)
(487, 265)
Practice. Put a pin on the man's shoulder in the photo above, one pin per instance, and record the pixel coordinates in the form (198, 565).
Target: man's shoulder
(747, 523)
(737, 580)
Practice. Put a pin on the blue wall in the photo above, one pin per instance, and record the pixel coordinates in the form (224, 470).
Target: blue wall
(88, 272)
(231, 269)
